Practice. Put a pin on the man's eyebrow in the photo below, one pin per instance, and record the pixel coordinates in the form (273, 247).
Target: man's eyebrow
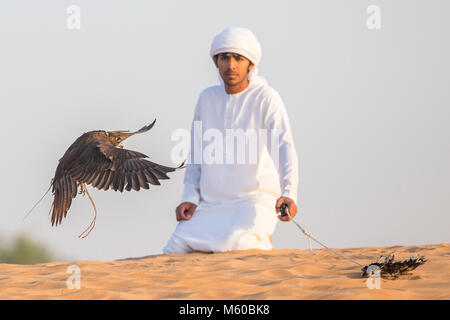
(231, 54)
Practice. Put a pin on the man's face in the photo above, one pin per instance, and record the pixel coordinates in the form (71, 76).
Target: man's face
(233, 67)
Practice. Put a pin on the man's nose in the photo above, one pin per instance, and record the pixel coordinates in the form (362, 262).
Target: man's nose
(231, 63)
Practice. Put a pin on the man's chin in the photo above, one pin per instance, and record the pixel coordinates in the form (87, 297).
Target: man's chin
(232, 83)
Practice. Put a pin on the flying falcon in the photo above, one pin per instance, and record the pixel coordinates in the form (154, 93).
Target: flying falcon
(98, 158)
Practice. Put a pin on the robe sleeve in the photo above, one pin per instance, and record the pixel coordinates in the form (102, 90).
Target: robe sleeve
(191, 192)
(281, 146)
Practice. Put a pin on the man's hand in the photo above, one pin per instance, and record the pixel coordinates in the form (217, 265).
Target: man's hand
(185, 211)
(291, 206)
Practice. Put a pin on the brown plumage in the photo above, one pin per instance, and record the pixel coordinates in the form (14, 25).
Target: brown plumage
(98, 158)
(389, 268)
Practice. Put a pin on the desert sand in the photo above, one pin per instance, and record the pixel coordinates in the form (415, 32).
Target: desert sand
(249, 274)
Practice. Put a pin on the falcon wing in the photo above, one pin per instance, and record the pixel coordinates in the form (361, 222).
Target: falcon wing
(104, 166)
(64, 189)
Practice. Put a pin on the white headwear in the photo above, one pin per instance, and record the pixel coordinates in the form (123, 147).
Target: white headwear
(241, 41)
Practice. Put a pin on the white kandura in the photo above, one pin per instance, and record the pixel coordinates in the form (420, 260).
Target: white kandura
(236, 201)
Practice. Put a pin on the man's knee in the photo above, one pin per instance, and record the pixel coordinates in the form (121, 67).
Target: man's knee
(174, 247)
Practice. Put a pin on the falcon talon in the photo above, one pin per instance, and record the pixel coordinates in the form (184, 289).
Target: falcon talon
(82, 190)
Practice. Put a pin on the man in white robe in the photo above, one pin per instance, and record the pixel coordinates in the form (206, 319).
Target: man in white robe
(232, 189)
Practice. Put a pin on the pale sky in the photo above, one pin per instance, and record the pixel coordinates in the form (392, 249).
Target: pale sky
(369, 110)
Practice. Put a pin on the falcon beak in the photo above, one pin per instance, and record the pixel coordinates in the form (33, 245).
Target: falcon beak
(120, 145)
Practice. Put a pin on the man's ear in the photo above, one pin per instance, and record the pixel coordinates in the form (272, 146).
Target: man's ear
(215, 60)
(250, 66)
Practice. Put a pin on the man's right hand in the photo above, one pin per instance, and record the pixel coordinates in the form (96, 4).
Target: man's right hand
(185, 211)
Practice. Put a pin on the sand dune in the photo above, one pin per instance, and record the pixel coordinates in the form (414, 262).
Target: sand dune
(250, 274)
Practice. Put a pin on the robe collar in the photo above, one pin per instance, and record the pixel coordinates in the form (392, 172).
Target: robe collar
(257, 81)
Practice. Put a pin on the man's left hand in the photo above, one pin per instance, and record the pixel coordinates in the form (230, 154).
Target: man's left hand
(291, 206)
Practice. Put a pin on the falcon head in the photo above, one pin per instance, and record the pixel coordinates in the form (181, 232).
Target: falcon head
(116, 138)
